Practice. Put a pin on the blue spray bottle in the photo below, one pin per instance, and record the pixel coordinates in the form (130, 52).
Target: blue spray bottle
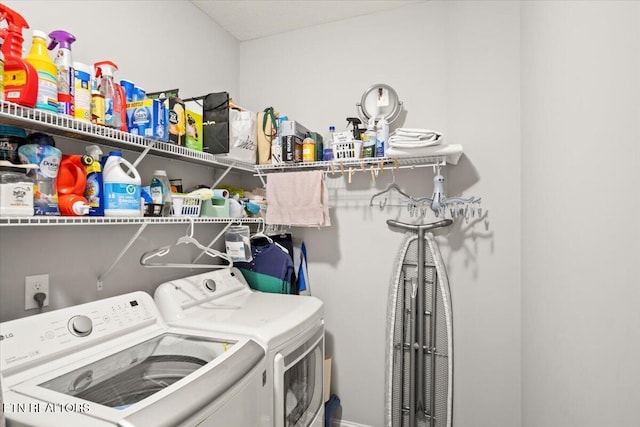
(66, 73)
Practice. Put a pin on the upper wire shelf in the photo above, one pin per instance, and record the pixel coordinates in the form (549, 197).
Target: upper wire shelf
(66, 126)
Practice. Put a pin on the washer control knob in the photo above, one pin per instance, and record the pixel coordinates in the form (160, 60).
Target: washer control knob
(80, 326)
(210, 284)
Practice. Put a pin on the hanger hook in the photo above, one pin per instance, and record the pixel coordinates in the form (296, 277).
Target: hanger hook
(191, 227)
(262, 226)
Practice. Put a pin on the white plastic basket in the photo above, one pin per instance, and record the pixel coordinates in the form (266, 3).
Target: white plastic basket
(185, 206)
(347, 150)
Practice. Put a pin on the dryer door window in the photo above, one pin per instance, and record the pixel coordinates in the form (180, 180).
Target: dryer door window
(302, 383)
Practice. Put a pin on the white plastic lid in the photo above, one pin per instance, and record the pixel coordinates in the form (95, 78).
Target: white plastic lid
(81, 66)
(160, 172)
(40, 34)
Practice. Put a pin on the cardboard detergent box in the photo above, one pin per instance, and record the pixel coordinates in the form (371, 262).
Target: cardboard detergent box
(148, 118)
(291, 127)
(177, 119)
(193, 130)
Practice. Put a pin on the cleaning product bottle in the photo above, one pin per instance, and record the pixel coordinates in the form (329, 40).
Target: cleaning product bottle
(47, 81)
(93, 191)
(82, 92)
(369, 139)
(1, 71)
(71, 183)
(64, 65)
(121, 187)
(113, 98)
(161, 191)
(41, 152)
(20, 77)
(328, 145)
(382, 135)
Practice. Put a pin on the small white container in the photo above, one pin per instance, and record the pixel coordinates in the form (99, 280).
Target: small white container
(16, 194)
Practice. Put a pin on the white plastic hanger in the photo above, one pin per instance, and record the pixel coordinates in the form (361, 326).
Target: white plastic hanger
(186, 239)
(259, 234)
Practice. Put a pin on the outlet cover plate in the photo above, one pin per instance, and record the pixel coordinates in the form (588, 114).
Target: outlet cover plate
(33, 285)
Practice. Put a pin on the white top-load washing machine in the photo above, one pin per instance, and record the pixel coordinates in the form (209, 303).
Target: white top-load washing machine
(114, 362)
(290, 327)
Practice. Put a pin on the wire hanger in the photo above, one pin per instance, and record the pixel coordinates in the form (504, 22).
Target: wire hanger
(186, 239)
(392, 186)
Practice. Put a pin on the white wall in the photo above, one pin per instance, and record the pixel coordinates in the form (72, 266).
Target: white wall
(156, 60)
(455, 65)
(581, 134)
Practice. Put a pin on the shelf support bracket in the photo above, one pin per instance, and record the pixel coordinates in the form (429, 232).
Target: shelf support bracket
(104, 275)
(144, 153)
(221, 177)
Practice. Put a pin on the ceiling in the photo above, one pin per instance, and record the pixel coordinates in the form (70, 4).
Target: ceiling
(253, 19)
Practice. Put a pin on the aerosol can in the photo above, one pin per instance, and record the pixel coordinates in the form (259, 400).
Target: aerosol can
(66, 74)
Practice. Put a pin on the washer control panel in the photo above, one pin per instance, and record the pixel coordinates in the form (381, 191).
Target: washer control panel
(31, 338)
(183, 293)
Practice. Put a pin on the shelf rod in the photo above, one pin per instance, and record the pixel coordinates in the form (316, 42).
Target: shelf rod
(104, 275)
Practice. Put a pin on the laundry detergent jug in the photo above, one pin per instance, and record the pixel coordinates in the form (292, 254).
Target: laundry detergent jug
(122, 185)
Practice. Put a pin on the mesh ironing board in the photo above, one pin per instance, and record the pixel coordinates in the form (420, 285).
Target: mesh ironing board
(419, 377)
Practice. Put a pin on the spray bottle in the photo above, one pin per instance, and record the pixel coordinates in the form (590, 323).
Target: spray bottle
(20, 77)
(66, 75)
(47, 81)
(114, 100)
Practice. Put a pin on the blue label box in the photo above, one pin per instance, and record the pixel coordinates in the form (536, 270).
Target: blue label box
(148, 118)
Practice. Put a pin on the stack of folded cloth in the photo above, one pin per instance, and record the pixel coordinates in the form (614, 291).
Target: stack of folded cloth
(414, 138)
(409, 142)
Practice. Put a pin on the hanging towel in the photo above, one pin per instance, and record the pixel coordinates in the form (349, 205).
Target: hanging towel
(298, 198)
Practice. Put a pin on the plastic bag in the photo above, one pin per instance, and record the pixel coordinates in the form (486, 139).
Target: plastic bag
(242, 135)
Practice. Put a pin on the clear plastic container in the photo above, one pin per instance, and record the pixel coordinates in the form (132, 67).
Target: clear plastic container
(238, 243)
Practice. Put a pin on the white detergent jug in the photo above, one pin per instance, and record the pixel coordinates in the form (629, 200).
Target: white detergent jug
(122, 185)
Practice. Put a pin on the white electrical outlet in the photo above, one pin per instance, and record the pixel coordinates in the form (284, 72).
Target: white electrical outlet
(33, 285)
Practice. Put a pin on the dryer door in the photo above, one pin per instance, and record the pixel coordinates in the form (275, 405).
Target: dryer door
(298, 380)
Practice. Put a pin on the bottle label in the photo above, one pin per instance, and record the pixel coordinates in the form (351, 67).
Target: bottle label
(122, 196)
(49, 167)
(47, 92)
(92, 191)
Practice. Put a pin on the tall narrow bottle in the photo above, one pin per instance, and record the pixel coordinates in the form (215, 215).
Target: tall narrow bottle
(66, 74)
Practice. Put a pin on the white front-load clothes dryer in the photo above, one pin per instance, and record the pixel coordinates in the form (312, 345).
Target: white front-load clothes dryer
(290, 327)
(114, 362)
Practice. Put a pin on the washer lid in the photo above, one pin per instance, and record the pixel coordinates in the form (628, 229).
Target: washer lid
(379, 101)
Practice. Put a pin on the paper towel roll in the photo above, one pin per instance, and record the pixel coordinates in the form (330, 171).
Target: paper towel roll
(220, 193)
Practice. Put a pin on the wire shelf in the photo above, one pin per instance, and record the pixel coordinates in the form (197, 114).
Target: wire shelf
(66, 126)
(99, 220)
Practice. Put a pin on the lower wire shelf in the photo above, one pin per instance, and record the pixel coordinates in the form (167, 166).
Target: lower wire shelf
(101, 220)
